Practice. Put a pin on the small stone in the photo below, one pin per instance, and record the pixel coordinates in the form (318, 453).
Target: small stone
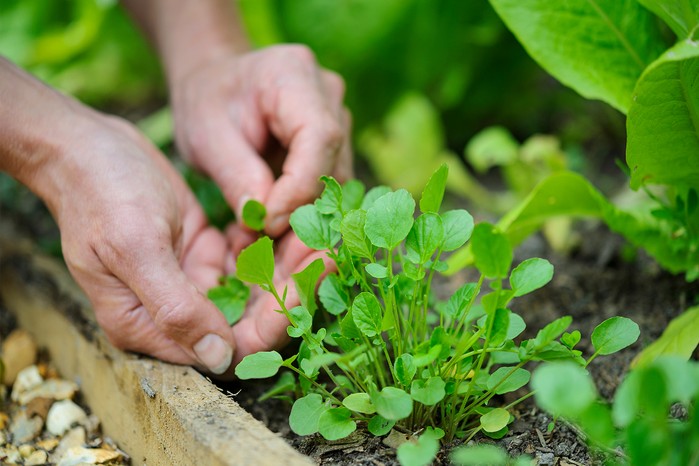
(48, 444)
(27, 379)
(24, 429)
(10, 455)
(36, 458)
(55, 389)
(395, 439)
(63, 415)
(4, 419)
(25, 450)
(73, 438)
(81, 455)
(18, 352)
(3, 438)
(39, 406)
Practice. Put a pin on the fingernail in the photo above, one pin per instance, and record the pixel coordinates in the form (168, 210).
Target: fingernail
(214, 353)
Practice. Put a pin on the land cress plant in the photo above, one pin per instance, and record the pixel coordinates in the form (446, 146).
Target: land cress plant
(382, 350)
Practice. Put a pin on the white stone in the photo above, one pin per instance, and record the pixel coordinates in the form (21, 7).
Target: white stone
(63, 415)
(81, 455)
(27, 379)
(73, 438)
(36, 458)
(55, 389)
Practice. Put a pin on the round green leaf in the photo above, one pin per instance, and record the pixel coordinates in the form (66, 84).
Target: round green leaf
(428, 392)
(367, 315)
(614, 334)
(259, 365)
(254, 214)
(336, 423)
(479, 455)
(313, 228)
(380, 426)
(495, 420)
(389, 219)
(563, 389)
(305, 414)
(360, 403)
(458, 227)
(530, 275)
(392, 403)
(518, 379)
(420, 453)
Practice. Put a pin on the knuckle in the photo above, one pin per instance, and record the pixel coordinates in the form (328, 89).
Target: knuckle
(335, 84)
(332, 134)
(172, 317)
(300, 52)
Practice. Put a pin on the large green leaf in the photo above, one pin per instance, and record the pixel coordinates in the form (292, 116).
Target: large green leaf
(255, 263)
(597, 47)
(681, 337)
(682, 16)
(663, 121)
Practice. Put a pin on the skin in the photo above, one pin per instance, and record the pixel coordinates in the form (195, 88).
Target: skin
(264, 125)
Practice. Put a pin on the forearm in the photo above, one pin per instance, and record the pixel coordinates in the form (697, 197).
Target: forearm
(189, 33)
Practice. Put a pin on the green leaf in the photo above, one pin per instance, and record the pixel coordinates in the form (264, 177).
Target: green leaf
(423, 359)
(330, 201)
(373, 194)
(492, 147)
(333, 295)
(352, 195)
(254, 213)
(380, 426)
(563, 389)
(495, 420)
(360, 403)
(255, 263)
(432, 195)
(530, 275)
(376, 270)
(682, 16)
(405, 369)
(571, 339)
(313, 228)
(428, 392)
(336, 423)
(306, 281)
(458, 227)
(460, 300)
(420, 453)
(389, 219)
(558, 36)
(259, 365)
(479, 455)
(305, 414)
(367, 314)
(392, 403)
(663, 121)
(353, 236)
(552, 331)
(491, 251)
(614, 334)
(230, 298)
(302, 320)
(426, 235)
(518, 379)
(499, 328)
(681, 338)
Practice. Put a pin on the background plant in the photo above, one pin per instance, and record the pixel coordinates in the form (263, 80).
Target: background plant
(382, 349)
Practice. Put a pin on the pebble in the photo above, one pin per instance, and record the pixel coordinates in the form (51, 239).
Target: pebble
(80, 455)
(36, 458)
(18, 352)
(25, 429)
(55, 389)
(27, 379)
(395, 439)
(63, 415)
(74, 438)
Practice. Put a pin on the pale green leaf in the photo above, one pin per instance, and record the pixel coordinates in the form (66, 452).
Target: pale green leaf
(614, 334)
(259, 365)
(305, 282)
(681, 15)
(360, 403)
(313, 228)
(479, 455)
(255, 263)
(495, 420)
(420, 453)
(508, 379)
(530, 275)
(432, 195)
(376, 270)
(389, 219)
(231, 298)
(254, 214)
(563, 389)
(392, 403)
(336, 423)
(428, 392)
(305, 414)
(680, 338)
(492, 147)
(491, 251)
(458, 227)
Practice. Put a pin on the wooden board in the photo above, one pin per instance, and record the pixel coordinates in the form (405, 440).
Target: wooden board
(160, 414)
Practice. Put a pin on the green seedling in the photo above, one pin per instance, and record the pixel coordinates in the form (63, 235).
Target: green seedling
(381, 350)
(254, 215)
(230, 297)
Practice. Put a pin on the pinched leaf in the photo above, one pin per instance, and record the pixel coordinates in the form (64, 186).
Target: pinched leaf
(360, 403)
(426, 235)
(458, 227)
(313, 228)
(508, 379)
(495, 420)
(305, 414)
(389, 219)
(259, 365)
(392, 403)
(614, 334)
(663, 121)
(367, 314)
(530, 275)
(599, 48)
(306, 281)
(563, 389)
(333, 295)
(255, 263)
(231, 298)
(433, 193)
(254, 213)
(428, 392)
(353, 235)
(336, 423)
(491, 251)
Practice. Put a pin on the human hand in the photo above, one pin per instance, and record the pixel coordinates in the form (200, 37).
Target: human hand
(136, 241)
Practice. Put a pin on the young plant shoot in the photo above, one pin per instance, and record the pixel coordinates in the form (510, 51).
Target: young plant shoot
(381, 350)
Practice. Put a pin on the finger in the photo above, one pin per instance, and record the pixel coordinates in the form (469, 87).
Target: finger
(239, 238)
(344, 168)
(176, 307)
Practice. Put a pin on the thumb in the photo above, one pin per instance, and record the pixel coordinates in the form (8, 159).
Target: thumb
(178, 309)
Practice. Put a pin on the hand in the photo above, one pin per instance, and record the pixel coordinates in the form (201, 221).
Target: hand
(230, 112)
(136, 241)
